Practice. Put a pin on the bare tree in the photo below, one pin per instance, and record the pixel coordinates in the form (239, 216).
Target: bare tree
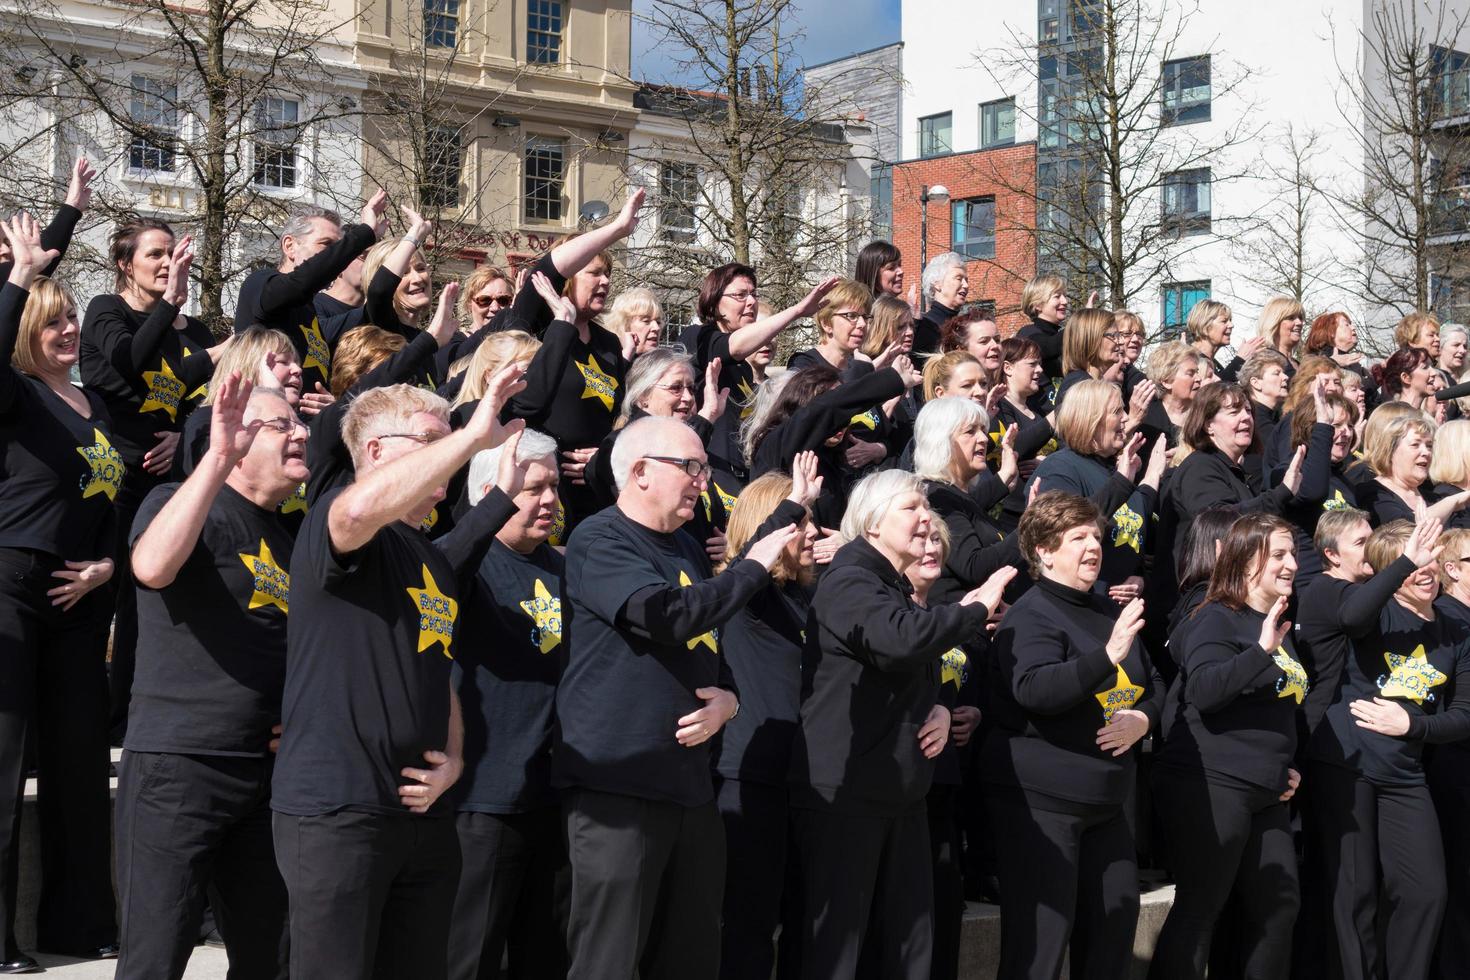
(1120, 173)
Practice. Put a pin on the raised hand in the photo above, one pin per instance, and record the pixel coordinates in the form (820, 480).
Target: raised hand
(1273, 631)
(445, 323)
(715, 397)
(1010, 464)
(1158, 461)
(1292, 479)
(176, 293)
(484, 426)
(768, 550)
(1128, 461)
(1138, 402)
(26, 252)
(1423, 545)
(993, 398)
(561, 308)
(418, 228)
(313, 402)
(806, 482)
(510, 474)
(1249, 349)
(989, 592)
(888, 356)
(375, 212)
(906, 370)
(1130, 621)
(812, 302)
(79, 190)
(627, 220)
(229, 435)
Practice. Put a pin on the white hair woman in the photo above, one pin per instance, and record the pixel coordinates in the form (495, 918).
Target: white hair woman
(945, 284)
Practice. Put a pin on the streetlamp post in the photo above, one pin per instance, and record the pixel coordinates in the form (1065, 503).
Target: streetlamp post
(938, 194)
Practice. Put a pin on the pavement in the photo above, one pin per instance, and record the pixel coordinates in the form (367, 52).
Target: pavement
(207, 963)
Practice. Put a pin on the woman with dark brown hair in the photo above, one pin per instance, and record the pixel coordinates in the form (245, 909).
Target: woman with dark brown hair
(880, 268)
(1223, 776)
(1409, 376)
(976, 333)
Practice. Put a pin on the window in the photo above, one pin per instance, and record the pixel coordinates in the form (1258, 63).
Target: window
(1186, 202)
(275, 141)
(1186, 87)
(443, 153)
(935, 134)
(998, 123)
(973, 230)
(543, 32)
(154, 113)
(1179, 299)
(678, 191)
(545, 172)
(1450, 297)
(880, 187)
(1449, 82)
(441, 23)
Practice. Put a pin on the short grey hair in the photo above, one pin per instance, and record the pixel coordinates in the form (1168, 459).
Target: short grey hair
(299, 224)
(486, 463)
(395, 404)
(1449, 328)
(937, 267)
(873, 495)
(934, 431)
(648, 369)
(638, 440)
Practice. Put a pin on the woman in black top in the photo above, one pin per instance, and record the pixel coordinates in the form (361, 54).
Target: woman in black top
(1090, 349)
(1306, 509)
(1223, 775)
(891, 328)
(880, 268)
(1209, 327)
(1045, 301)
(976, 333)
(1176, 371)
(946, 284)
(1399, 456)
(1408, 376)
(1021, 410)
(869, 730)
(1072, 691)
(842, 323)
(58, 542)
(400, 289)
(762, 645)
(150, 363)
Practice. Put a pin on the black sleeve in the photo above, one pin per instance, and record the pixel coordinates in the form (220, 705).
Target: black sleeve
(888, 635)
(816, 421)
(973, 559)
(403, 366)
(673, 614)
(1451, 723)
(466, 544)
(1044, 679)
(1032, 437)
(528, 311)
(12, 303)
(286, 290)
(1315, 478)
(786, 512)
(1217, 669)
(57, 235)
(544, 374)
(989, 489)
(1231, 371)
(1357, 614)
(379, 301)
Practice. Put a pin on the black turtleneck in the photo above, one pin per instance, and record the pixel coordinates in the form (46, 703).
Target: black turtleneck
(926, 328)
(1048, 337)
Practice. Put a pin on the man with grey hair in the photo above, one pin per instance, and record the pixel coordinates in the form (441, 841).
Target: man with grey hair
(372, 737)
(945, 285)
(643, 692)
(513, 880)
(315, 249)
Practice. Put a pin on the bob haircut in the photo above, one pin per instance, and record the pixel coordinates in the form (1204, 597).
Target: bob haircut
(1014, 349)
(890, 318)
(244, 353)
(1201, 315)
(1128, 322)
(1451, 460)
(1321, 339)
(939, 370)
(847, 292)
(870, 499)
(1082, 339)
(1305, 417)
(124, 244)
(359, 351)
(1211, 399)
(1195, 558)
(373, 261)
(1254, 369)
(1243, 553)
(871, 260)
(934, 431)
(756, 503)
(1386, 545)
(638, 301)
(499, 349)
(1332, 525)
(1166, 360)
(1040, 289)
(716, 281)
(648, 370)
(1278, 308)
(1378, 453)
(47, 301)
(1085, 411)
(937, 269)
(1454, 541)
(477, 280)
(1406, 332)
(1048, 519)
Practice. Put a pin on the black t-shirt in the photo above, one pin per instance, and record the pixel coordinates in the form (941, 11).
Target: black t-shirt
(212, 644)
(573, 388)
(506, 675)
(149, 374)
(194, 443)
(368, 656)
(705, 342)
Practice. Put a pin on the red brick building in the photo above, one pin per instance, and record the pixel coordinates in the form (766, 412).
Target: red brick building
(990, 190)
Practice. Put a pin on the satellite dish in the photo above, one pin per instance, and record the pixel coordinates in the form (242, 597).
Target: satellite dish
(594, 211)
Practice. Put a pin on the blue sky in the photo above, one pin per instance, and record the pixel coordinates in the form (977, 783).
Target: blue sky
(830, 29)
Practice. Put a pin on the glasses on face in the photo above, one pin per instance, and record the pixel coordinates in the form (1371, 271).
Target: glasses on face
(422, 438)
(851, 318)
(677, 388)
(742, 295)
(1114, 336)
(283, 425)
(485, 302)
(696, 468)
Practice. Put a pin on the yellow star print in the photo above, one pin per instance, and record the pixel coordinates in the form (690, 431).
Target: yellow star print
(954, 667)
(203, 389)
(746, 396)
(997, 435)
(437, 613)
(1336, 502)
(272, 586)
(558, 534)
(598, 384)
(317, 351)
(727, 500)
(707, 639)
(106, 464)
(545, 611)
(164, 391)
(427, 524)
(1123, 695)
(1127, 528)
(1410, 677)
(296, 502)
(1294, 683)
(868, 420)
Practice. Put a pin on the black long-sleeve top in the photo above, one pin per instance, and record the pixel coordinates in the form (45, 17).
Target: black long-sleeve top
(57, 235)
(1385, 506)
(149, 374)
(574, 388)
(1128, 508)
(285, 301)
(870, 677)
(1034, 437)
(810, 426)
(705, 342)
(1053, 687)
(927, 330)
(1157, 425)
(1048, 337)
(1233, 710)
(977, 547)
(528, 312)
(59, 471)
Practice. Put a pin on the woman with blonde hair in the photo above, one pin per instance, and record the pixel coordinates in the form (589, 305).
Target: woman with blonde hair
(1280, 326)
(486, 291)
(505, 347)
(266, 357)
(1174, 368)
(892, 327)
(1044, 300)
(1275, 443)
(1090, 349)
(1420, 330)
(1399, 454)
(400, 288)
(842, 326)
(1209, 328)
(1449, 470)
(955, 373)
(636, 313)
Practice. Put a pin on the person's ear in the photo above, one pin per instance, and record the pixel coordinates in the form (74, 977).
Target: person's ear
(1219, 546)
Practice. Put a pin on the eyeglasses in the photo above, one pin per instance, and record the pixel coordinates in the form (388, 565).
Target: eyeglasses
(696, 468)
(283, 425)
(422, 438)
(485, 302)
(678, 387)
(1113, 336)
(741, 296)
(851, 317)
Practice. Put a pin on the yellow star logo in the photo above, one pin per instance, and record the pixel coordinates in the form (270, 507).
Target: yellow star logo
(1123, 695)
(1294, 683)
(272, 586)
(746, 397)
(203, 389)
(868, 419)
(708, 639)
(296, 503)
(1336, 502)
(427, 524)
(106, 464)
(557, 536)
(709, 508)
(1410, 677)
(598, 384)
(727, 500)
(164, 391)
(1127, 528)
(436, 615)
(545, 611)
(954, 667)
(317, 351)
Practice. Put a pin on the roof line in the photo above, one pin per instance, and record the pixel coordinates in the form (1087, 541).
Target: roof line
(855, 54)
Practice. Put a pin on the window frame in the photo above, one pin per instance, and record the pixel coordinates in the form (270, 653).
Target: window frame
(880, 198)
(544, 45)
(556, 204)
(140, 87)
(977, 248)
(926, 122)
(679, 202)
(1181, 293)
(444, 16)
(439, 184)
(1176, 220)
(992, 108)
(276, 138)
(1174, 115)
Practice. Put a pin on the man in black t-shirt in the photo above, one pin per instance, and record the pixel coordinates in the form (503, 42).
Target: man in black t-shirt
(372, 736)
(643, 692)
(193, 813)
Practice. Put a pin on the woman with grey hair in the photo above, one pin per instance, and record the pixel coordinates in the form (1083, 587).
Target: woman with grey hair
(945, 285)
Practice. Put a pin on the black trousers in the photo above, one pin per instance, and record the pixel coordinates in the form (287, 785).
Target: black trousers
(757, 826)
(371, 893)
(1225, 836)
(949, 881)
(53, 698)
(1449, 786)
(1364, 827)
(647, 882)
(136, 485)
(187, 826)
(1068, 877)
(865, 879)
(514, 886)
